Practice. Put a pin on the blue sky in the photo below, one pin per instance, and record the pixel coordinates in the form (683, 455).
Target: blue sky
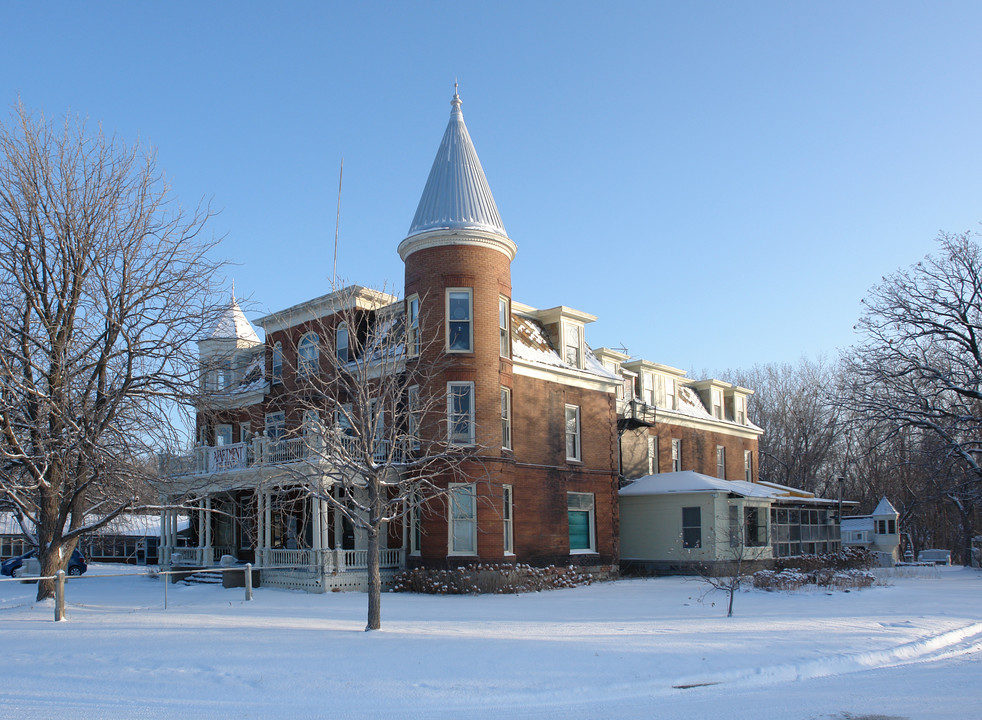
(720, 183)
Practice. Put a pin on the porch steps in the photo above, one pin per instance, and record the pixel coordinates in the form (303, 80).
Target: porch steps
(203, 578)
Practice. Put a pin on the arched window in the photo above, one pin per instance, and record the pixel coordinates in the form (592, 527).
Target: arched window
(307, 354)
(277, 371)
(341, 343)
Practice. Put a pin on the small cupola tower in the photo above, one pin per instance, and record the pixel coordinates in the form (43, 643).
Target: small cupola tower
(228, 348)
(458, 280)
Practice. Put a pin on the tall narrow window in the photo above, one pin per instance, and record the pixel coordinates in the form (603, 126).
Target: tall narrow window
(412, 326)
(506, 520)
(506, 418)
(341, 343)
(308, 354)
(572, 432)
(573, 344)
(676, 455)
(460, 412)
(277, 365)
(343, 419)
(754, 527)
(740, 404)
(582, 522)
(735, 526)
(721, 462)
(463, 519)
(670, 393)
(245, 432)
(460, 331)
(652, 455)
(748, 465)
(692, 527)
(504, 327)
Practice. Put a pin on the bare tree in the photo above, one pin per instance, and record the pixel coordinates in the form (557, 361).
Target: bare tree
(375, 420)
(800, 446)
(920, 363)
(104, 284)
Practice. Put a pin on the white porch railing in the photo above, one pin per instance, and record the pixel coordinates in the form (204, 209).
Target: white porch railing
(260, 451)
(330, 560)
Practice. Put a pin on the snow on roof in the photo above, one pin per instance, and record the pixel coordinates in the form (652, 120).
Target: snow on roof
(125, 524)
(885, 508)
(232, 325)
(689, 481)
(530, 342)
(856, 523)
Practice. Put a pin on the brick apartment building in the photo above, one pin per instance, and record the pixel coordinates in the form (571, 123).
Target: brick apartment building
(553, 426)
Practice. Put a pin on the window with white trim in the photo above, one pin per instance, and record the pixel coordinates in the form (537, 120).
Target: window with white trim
(573, 344)
(572, 432)
(463, 519)
(460, 320)
(460, 412)
(343, 419)
(276, 425)
(652, 455)
(717, 397)
(311, 423)
(308, 354)
(648, 388)
(245, 432)
(670, 393)
(676, 454)
(223, 435)
(721, 462)
(580, 511)
(504, 327)
(341, 343)
(277, 365)
(507, 514)
(740, 409)
(748, 465)
(506, 418)
(691, 527)
(412, 326)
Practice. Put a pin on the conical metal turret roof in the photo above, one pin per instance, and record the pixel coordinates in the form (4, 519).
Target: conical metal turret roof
(457, 195)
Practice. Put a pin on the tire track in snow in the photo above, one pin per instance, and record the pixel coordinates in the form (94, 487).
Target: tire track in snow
(933, 648)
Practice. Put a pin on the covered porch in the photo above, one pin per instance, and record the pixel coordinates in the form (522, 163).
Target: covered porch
(296, 541)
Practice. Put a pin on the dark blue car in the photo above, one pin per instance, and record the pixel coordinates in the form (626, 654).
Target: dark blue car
(27, 565)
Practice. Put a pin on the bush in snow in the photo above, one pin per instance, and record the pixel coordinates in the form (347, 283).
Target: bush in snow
(793, 579)
(851, 558)
(489, 578)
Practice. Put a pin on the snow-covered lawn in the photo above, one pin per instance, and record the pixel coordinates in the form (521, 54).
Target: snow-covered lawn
(628, 649)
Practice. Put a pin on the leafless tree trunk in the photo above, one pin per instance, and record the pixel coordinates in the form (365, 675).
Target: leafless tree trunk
(104, 286)
(376, 423)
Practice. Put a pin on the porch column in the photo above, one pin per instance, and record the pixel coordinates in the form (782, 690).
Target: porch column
(260, 525)
(209, 556)
(268, 510)
(338, 526)
(163, 536)
(315, 511)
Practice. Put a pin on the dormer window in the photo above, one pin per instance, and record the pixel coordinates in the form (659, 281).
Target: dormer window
(460, 315)
(740, 409)
(341, 343)
(717, 396)
(573, 344)
(648, 388)
(670, 393)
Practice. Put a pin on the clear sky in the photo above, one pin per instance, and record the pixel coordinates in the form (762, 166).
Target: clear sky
(720, 183)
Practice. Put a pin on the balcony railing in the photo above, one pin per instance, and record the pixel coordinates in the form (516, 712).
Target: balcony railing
(262, 451)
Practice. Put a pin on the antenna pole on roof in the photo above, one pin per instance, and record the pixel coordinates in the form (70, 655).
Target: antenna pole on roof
(337, 228)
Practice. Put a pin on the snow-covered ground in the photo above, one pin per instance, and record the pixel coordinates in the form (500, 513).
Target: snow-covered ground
(628, 649)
